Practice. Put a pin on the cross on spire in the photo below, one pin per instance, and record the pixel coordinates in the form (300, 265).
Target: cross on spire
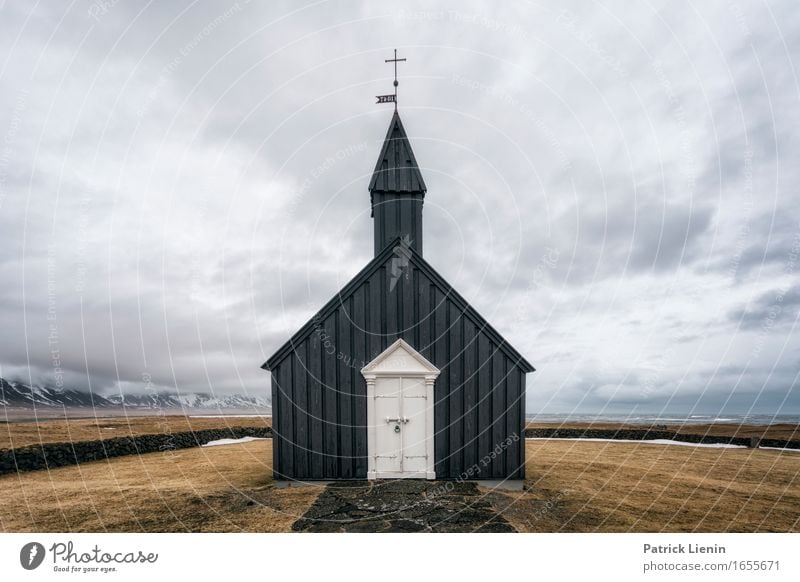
(385, 98)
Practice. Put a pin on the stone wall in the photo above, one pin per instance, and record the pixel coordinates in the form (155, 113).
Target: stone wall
(51, 455)
(644, 434)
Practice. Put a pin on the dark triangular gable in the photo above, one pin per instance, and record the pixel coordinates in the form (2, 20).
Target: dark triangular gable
(386, 256)
(396, 169)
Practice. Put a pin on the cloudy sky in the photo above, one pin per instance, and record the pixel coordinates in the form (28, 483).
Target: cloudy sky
(614, 188)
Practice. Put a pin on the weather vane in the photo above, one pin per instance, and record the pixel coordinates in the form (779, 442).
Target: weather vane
(391, 98)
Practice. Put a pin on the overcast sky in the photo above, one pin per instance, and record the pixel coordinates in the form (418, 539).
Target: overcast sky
(615, 189)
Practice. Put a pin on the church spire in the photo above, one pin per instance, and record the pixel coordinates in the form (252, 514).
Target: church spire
(397, 191)
(397, 169)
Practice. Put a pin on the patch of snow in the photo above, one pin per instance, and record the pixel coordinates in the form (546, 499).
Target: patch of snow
(781, 449)
(40, 395)
(232, 441)
(649, 442)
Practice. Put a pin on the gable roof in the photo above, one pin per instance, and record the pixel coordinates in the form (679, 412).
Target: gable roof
(397, 169)
(385, 255)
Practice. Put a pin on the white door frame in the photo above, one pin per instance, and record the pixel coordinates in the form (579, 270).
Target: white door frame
(395, 362)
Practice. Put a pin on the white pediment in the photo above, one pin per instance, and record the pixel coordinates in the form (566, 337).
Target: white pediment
(400, 359)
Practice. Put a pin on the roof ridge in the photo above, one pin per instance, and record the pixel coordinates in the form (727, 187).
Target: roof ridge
(428, 269)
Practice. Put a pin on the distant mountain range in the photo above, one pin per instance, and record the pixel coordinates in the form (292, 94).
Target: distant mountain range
(17, 394)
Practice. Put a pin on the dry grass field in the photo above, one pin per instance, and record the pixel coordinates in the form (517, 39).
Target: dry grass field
(18, 434)
(223, 488)
(631, 487)
(573, 486)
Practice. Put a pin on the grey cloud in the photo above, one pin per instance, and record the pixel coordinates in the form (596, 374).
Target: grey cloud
(668, 236)
(167, 166)
(776, 307)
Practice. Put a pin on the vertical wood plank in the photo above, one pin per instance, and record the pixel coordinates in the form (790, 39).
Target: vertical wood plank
(419, 230)
(408, 301)
(374, 323)
(391, 218)
(300, 391)
(393, 284)
(286, 417)
(498, 409)
(512, 419)
(345, 363)
(455, 346)
(277, 412)
(379, 210)
(315, 400)
(424, 317)
(383, 286)
(360, 342)
(330, 398)
(484, 403)
(523, 424)
(374, 316)
(396, 200)
(415, 316)
(470, 358)
(441, 405)
(406, 207)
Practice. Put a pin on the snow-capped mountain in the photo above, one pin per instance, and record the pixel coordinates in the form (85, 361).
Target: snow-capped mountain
(193, 400)
(17, 394)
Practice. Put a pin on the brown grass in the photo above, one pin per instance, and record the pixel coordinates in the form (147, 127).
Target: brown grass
(18, 434)
(627, 487)
(573, 486)
(215, 489)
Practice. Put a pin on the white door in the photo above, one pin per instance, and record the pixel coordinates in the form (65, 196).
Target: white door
(400, 434)
(414, 436)
(388, 408)
(400, 414)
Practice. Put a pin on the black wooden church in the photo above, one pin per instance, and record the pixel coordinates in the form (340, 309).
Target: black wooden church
(397, 376)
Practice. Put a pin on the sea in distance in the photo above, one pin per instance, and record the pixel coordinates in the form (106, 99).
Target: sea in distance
(648, 419)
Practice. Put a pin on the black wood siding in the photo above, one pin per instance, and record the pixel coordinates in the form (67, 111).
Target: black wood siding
(319, 395)
(397, 215)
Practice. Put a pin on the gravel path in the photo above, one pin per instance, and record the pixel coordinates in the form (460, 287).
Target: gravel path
(401, 505)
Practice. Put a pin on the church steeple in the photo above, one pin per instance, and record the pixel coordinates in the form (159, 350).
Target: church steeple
(397, 191)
